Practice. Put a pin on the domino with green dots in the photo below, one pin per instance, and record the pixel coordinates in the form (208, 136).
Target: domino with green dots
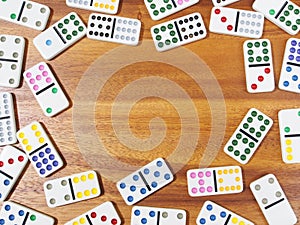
(285, 14)
(46, 89)
(26, 13)
(177, 32)
(248, 136)
(159, 9)
(60, 36)
(258, 66)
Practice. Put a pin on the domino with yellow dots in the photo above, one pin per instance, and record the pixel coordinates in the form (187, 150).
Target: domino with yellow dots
(104, 6)
(39, 149)
(71, 189)
(215, 181)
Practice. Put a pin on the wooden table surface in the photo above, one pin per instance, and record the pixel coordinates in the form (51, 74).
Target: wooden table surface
(221, 53)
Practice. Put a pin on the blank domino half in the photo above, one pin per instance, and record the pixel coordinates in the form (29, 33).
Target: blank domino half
(178, 32)
(103, 6)
(46, 89)
(237, 22)
(115, 29)
(71, 189)
(11, 59)
(60, 36)
(159, 9)
(143, 215)
(12, 164)
(26, 13)
(39, 149)
(215, 181)
(104, 214)
(16, 214)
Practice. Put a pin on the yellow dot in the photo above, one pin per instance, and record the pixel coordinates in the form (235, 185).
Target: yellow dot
(83, 178)
(236, 170)
(21, 135)
(113, 0)
(106, 6)
(288, 141)
(96, 4)
(75, 223)
(25, 141)
(76, 180)
(91, 176)
(232, 188)
(112, 7)
(79, 195)
(238, 187)
(221, 180)
(221, 188)
(38, 133)
(288, 149)
(234, 220)
(82, 220)
(227, 188)
(237, 179)
(41, 140)
(289, 157)
(94, 191)
(225, 171)
(33, 127)
(28, 147)
(220, 172)
(101, 5)
(231, 171)
(87, 193)
(242, 223)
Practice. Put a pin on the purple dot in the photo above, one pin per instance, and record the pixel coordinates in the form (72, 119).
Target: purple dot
(38, 77)
(180, 2)
(209, 188)
(32, 81)
(194, 190)
(291, 57)
(200, 174)
(294, 43)
(48, 80)
(28, 75)
(202, 189)
(36, 87)
(41, 67)
(45, 73)
(208, 173)
(201, 182)
(193, 175)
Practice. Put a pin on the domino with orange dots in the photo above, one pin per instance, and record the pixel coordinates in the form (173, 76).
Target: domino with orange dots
(215, 181)
(103, 6)
(104, 214)
(39, 149)
(71, 189)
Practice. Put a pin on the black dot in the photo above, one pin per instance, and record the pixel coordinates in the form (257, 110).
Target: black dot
(186, 20)
(98, 17)
(185, 37)
(196, 17)
(201, 32)
(191, 19)
(100, 26)
(198, 24)
(93, 17)
(183, 29)
(101, 34)
(109, 19)
(107, 35)
(104, 18)
(180, 22)
(196, 34)
(191, 35)
(92, 25)
(107, 27)
(191, 26)
(91, 33)
(96, 33)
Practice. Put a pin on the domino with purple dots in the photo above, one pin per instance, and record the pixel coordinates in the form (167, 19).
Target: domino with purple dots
(290, 71)
(215, 181)
(12, 165)
(71, 189)
(39, 149)
(46, 89)
(15, 214)
(102, 6)
(26, 13)
(145, 181)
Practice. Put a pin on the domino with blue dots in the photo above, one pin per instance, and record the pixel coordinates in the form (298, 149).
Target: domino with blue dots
(145, 181)
(60, 36)
(39, 149)
(12, 165)
(290, 70)
(214, 214)
(143, 215)
(15, 214)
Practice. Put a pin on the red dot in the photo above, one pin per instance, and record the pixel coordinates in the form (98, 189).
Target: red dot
(260, 78)
(223, 19)
(1, 163)
(267, 70)
(93, 215)
(217, 11)
(114, 221)
(20, 158)
(10, 161)
(229, 27)
(254, 86)
(103, 218)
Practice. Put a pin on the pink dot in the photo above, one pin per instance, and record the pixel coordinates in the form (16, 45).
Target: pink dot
(193, 175)
(41, 67)
(38, 77)
(187, 0)
(35, 87)
(32, 81)
(194, 190)
(201, 182)
(208, 173)
(200, 174)
(209, 188)
(28, 75)
(202, 189)
(180, 2)
(48, 80)
(45, 73)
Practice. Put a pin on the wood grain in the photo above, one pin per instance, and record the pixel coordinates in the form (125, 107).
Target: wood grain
(223, 55)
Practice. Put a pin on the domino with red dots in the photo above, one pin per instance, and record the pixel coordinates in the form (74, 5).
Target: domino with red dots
(26, 13)
(237, 22)
(12, 164)
(71, 189)
(39, 149)
(103, 6)
(215, 181)
(223, 2)
(46, 89)
(104, 214)
(258, 66)
(160, 9)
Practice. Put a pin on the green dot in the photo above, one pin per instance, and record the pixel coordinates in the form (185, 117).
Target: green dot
(258, 134)
(266, 58)
(237, 153)
(286, 13)
(60, 25)
(172, 33)
(290, 7)
(158, 37)
(170, 26)
(265, 43)
(249, 45)
(150, 1)
(297, 11)
(238, 136)
(243, 157)
(54, 90)
(282, 18)
(13, 16)
(72, 17)
(169, 6)
(299, 113)
(256, 44)
(32, 217)
(162, 9)
(265, 51)
(251, 145)
(66, 21)
(155, 12)
(287, 129)
(251, 59)
(267, 122)
(166, 1)
(272, 12)
(74, 33)
(152, 6)
(245, 140)
(64, 31)
(160, 44)
(163, 28)
(247, 151)
(174, 40)
(288, 23)
(69, 37)
(76, 22)
(260, 117)
(235, 142)
(258, 59)
(246, 125)
(156, 30)
(252, 130)
(262, 128)
(81, 28)
(168, 42)
(254, 113)
(49, 110)
(250, 52)
(250, 120)
(230, 148)
(294, 27)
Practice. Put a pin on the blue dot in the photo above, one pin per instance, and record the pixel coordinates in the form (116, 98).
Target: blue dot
(42, 171)
(144, 221)
(298, 58)
(21, 213)
(2, 221)
(151, 213)
(6, 182)
(295, 77)
(292, 50)
(294, 43)
(55, 163)
(146, 171)
(132, 188)
(137, 212)
(298, 51)
(45, 161)
(223, 214)
(213, 217)
(49, 167)
(48, 42)
(7, 207)
(143, 191)
(130, 199)
(51, 157)
(156, 173)
(286, 83)
(11, 217)
(154, 184)
(135, 177)
(298, 86)
(209, 207)
(167, 176)
(202, 221)
(35, 158)
(122, 185)
(0, 195)
(39, 165)
(41, 154)
(47, 150)
(159, 163)
(289, 69)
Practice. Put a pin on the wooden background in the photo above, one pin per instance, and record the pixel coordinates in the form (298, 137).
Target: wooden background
(223, 54)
